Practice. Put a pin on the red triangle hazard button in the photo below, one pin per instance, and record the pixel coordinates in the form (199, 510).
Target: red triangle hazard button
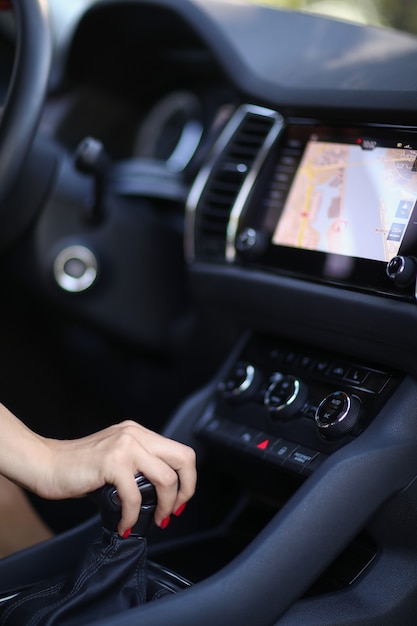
(263, 445)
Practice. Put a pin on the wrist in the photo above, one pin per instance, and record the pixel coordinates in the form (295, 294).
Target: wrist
(39, 467)
(43, 482)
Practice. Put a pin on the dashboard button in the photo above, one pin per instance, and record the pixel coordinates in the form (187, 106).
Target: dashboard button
(301, 457)
(281, 451)
(75, 268)
(321, 366)
(356, 375)
(290, 357)
(305, 361)
(338, 370)
(261, 444)
(376, 381)
(245, 436)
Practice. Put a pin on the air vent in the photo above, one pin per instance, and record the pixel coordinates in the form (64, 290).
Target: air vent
(224, 185)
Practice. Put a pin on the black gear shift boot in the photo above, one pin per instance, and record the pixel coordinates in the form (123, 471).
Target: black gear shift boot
(111, 578)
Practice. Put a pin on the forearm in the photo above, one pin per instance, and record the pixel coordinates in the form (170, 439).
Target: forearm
(25, 455)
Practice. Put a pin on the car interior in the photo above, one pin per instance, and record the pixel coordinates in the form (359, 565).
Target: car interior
(208, 224)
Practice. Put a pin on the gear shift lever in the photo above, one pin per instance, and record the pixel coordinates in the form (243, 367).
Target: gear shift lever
(111, 577)
(108, 502)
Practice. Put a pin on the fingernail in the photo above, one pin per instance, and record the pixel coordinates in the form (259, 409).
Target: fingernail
(180, 509)
(165, 522)
(127, 533)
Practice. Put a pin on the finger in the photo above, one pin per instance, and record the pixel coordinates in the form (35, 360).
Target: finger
(166, 486)
(168, 464)
(131, 499)
(165, 480)
(187, 475)
(181, 459)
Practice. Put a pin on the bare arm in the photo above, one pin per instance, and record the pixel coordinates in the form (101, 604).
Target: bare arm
(56, 469)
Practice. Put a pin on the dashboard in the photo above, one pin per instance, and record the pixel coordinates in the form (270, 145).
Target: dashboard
(250, 144)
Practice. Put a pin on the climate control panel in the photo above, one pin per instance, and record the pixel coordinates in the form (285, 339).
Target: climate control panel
(292, 406)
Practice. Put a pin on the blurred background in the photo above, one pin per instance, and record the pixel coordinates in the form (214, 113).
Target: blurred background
(397, 14)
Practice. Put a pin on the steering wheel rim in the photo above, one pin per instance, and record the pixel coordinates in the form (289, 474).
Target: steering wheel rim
(24, 101)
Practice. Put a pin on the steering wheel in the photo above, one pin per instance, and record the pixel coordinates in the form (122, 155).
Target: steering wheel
(23, 105)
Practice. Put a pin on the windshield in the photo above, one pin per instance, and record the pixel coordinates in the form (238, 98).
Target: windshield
(398, 14)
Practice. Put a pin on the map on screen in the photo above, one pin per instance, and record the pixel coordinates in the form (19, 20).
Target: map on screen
(350, 200)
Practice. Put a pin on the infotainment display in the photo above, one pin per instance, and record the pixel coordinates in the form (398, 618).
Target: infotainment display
(338, 205)
(353, 199)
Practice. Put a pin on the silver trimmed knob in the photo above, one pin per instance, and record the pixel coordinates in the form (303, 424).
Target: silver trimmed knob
(337, 414)
(285, 396)
(241, 382)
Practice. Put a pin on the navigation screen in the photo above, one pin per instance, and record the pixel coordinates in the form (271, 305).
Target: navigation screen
(350, 199)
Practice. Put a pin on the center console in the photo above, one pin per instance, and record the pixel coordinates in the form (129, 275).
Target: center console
(289, 406)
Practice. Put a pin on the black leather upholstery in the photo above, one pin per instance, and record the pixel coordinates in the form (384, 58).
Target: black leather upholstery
(110, 579)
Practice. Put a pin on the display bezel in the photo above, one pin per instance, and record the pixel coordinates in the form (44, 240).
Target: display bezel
(350, 271)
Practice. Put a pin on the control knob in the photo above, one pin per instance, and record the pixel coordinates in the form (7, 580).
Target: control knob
(251, 243)
(337, 414)
(241, 382)
(402, 270)
(285, 396)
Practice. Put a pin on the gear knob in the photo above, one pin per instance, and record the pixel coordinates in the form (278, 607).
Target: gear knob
(109, 505)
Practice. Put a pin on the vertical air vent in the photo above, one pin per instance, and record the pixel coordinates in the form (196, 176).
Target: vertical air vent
(220, 192)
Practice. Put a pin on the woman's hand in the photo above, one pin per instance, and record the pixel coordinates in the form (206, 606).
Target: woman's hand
(115, 455)
(56, 469)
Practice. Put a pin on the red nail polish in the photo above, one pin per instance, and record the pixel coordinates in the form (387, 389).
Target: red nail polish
(165, 522)
(127, 533)
(180, 509)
